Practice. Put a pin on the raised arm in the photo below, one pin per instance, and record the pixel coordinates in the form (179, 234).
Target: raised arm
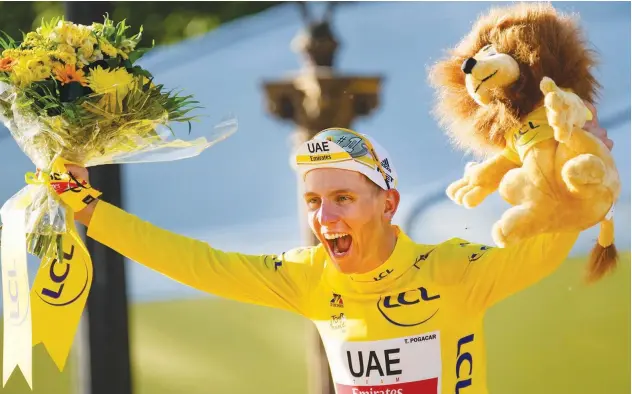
(280, 281)
(485, 275)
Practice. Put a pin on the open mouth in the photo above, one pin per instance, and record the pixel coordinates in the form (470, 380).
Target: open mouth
(339, 244)
(485, 79)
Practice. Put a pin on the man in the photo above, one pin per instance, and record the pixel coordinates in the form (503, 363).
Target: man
(395, 316)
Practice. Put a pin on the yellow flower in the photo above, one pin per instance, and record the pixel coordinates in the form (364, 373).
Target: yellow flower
(31, 66)
(107, 48)
(33, 39)
(105, 30)
(13, 53)
(97, 26)
(114, 85)
(122, 53)
(40, 72)
(45, 30)
(21, 75)
(105, 81)
(41, 57)
(127, 45)
(37, 58)
(64, 57)
(71, 34)
(66, 48)
(86, 49)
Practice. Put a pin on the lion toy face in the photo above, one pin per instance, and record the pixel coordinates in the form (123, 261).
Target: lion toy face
(489, 70)
(491, 80)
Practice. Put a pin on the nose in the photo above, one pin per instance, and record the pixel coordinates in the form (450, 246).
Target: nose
(468, 65)
(327, 214)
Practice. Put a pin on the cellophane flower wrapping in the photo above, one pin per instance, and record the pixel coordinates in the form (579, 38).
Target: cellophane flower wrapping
(74, 92)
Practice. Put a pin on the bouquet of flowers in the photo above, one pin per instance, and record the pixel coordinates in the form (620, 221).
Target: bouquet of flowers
(71, 93)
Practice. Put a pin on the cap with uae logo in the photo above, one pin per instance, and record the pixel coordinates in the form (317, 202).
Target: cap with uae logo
(347, 150)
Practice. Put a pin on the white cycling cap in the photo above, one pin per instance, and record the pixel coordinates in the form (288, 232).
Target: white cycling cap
(347, 150)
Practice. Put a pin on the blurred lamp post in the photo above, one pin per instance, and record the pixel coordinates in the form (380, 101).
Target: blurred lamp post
(104, 360)
(315, 99)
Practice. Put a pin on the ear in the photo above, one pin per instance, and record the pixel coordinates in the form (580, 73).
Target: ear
(391, 203)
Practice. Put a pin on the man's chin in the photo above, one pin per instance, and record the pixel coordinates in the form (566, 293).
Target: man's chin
(345, 263)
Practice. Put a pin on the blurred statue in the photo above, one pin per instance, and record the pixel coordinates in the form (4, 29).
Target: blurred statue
(317, 42)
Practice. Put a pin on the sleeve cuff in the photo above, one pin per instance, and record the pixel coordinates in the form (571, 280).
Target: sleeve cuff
(103, 217)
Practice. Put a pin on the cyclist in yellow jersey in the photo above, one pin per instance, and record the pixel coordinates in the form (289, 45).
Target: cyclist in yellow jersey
(396, 316)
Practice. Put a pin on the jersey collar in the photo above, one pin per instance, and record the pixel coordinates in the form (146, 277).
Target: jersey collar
(400, 261)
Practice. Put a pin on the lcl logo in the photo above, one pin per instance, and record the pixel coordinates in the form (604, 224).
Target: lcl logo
(397, 310)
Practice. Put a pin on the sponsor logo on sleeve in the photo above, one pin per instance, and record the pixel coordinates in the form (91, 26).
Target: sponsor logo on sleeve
(476, 251)
(273, 261)
(422, 257)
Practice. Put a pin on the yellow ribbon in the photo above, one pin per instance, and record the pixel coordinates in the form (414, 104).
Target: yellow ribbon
(48, 313)
(59, 295)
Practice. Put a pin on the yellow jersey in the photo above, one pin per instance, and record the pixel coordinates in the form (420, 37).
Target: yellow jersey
(412, 326)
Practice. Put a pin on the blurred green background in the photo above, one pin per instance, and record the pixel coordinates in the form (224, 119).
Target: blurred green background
(558, 336)
(165, 22)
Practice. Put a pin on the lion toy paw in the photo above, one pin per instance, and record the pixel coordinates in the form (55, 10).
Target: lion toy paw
(470, 190)
(565, 110)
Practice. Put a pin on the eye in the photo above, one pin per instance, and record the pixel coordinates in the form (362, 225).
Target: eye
(343, 198)
(489, 50)
(313, 202)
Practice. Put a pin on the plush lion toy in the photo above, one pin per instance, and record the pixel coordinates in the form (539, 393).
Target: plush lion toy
(513, 91)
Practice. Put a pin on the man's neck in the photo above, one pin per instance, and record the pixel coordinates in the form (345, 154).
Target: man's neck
(386, 245)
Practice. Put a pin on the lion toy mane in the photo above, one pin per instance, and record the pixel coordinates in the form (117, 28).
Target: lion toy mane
(513, 92)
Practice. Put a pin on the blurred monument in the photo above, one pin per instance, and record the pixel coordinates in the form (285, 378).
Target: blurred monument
(315, 98)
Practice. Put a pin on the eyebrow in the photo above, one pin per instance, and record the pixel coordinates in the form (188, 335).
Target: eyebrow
(337, 191)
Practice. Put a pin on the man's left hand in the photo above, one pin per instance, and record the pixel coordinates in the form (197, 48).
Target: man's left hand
(595, 129)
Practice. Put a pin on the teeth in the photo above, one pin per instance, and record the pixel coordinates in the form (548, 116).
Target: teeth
(334, 235)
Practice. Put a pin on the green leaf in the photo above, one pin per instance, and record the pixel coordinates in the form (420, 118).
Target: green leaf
(113, 63)
(138, 70)
(8, 43)
(137, 54)
(71, 92)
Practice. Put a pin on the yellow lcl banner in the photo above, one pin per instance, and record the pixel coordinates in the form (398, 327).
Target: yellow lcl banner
(49, 313)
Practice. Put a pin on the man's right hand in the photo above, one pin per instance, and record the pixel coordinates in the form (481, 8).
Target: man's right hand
(81, 173)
